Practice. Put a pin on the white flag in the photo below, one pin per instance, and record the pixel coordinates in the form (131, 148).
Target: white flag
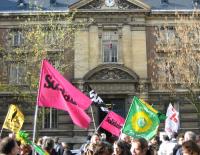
(172, 122)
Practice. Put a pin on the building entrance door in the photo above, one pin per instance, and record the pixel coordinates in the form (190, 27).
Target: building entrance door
(117, 105)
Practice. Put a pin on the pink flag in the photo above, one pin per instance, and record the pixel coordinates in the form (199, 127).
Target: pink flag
(113, 123)
(56, 92)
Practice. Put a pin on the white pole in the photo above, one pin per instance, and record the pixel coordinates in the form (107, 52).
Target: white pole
(35, 122)
(36, 108)
(1, 131)
(93, 117)
(98, 127)
(100, 124)
(51, 118)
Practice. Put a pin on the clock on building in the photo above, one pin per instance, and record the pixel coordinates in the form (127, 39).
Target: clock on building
(109, 3)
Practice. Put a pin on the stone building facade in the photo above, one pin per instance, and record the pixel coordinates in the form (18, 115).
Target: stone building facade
(111, 56)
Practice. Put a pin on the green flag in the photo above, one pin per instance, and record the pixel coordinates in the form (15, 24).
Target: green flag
(162, 117)
(23, 137)
(142, 120)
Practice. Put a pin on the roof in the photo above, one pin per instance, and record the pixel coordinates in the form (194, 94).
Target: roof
(35, 5)
(171, 5)
(63, 5)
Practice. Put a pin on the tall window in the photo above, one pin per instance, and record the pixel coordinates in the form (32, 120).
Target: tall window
(167, 36)
(17, 38)
(54, 57)
(110, 46)
(50, 38)
(50, 118)
(17, 73)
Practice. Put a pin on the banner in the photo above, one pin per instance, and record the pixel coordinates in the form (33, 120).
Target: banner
(97, 100)
(14, 119)
(172, 122)
(142, 120)
(113, 123)
(56, 92)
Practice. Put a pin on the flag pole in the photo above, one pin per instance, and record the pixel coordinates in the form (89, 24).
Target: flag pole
(35, 122)
(4, 122)
(36, 108)
(1, 131)
(93, 117)
(98, 127)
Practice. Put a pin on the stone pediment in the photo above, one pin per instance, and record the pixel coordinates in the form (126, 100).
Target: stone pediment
(111, 73)
(110, 5)
(112, 78)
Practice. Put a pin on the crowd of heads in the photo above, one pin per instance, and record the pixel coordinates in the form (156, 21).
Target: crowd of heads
(180, 144)
(187, 143)
(124, 145)
(11, 146)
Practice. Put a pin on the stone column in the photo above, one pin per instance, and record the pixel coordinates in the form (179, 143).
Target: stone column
(143, 88)
(81, 56)
(139, 57)
(127, 45)
(94, 52)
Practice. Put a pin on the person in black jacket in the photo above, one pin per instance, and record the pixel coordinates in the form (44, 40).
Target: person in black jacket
(57, 146)
(66, 150)
(180, 140)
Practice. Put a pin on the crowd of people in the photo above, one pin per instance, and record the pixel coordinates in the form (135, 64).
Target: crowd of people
(173, 144)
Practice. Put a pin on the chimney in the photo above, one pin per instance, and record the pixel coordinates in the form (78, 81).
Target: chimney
(196, 3)
(52, 2)
(164, 2)
(20, 3)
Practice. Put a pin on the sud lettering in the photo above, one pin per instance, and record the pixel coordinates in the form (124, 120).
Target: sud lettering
(51, 84)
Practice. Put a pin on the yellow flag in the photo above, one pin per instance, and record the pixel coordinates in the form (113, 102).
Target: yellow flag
(14, 119)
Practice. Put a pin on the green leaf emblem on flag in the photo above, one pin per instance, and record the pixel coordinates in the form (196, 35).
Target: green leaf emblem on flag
(142, 120)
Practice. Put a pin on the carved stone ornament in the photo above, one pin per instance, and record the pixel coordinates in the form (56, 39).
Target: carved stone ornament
(119, 4)
(96, 4)
(112, 78)
(123, 4)
(111, 74)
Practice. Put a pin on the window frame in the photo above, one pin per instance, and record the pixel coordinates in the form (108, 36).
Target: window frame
(14, 67)
(52, 123)
(17, 38)
(110, 37)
